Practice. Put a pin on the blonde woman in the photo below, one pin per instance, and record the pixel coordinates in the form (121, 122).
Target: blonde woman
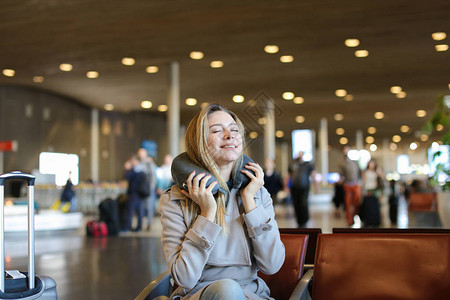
(215, 243)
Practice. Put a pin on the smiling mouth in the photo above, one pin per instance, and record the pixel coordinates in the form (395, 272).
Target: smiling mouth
(229, 147)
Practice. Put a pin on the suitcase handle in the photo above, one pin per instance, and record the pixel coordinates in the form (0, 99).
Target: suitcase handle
(17, 175)
(30, 180)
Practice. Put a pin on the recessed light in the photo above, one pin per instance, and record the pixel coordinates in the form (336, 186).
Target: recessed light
(216, 64)
(92, 74)
(413, 146)
(395, 89)
(286, 58)
(401, 95)
(393, 146)
(404, 128)
(378, 115)
(439, 127)
(253, 135)
(8, 72)
(438, 36)
(340, 131)
(351, 43)
(279, 133)
(442, 47)
(339, 117)
(196, 55)
(238, 98)
(299, 100)
(421, 113)
(38, 79)
(162, 108)
(262, 121)
(371, 130)
(271, 49)
(300, 119)
(361, 53)
(396, 138)
(424, 137)
(146, 104)
(369, 139)
(109, 107)
(343, 140)
(152, 69)
(128, 61)
(288, 95)
(191, 101)
(204, 104)
(65, 67)
(373, 147)
(348, 97)
(340, 92)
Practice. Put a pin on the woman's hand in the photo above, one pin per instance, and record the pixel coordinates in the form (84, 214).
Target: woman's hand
(201, 195)
(256, 182)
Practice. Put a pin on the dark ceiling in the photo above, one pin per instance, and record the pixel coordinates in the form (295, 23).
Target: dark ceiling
(38, 35)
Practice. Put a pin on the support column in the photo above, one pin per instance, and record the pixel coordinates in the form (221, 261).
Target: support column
(269, 131)
(385, 156)
(323, 149)
(173, 115)
(94, 145)
(285, 155)
(359, 140)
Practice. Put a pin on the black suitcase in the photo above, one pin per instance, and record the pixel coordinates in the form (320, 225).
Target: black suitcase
(22, 285)
(109, 213)
(369, 211)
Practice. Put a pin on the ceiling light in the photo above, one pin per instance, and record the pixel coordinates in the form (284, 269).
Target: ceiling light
(340, 93)
(92, 74)
(271, 48)
(413, 146)
(279, 133)
(146, 104)
(438, 36)
(196, 55)
(65, 67)
(424, 137)
(204, 104)
(152, 69)
(286, 58)
(439, 127)
(253, 135)
(216, 64)
(288, 95)
(401, 95)
(396, 138)
(343, 140)
(421, 113)
(442, 47)
(378, 115)
(339, 117)
(340, 131)
(299, 119)
(373, 147)
(404, 128)
(191, 101)
(38, 79)
(128, 61)
(262, 121)
(396, 89)
(238, 98)
(369, 139)
(351, 42)
(299, 100)
(163, 108)
(371, 130)
(361, 53)
(393, 146)
(349, 97)
(8, 72)
(109, 107)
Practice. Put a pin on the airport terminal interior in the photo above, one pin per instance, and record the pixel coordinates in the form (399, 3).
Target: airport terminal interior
(85, 85)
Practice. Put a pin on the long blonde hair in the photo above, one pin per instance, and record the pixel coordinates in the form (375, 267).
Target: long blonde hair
(196, 141)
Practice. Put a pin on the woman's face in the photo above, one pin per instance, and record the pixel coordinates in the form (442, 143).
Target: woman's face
(224, 138)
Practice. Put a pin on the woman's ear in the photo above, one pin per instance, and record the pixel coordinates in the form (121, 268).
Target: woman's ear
(182, 167)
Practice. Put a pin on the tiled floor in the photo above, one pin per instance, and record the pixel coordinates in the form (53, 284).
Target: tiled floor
(120, 267)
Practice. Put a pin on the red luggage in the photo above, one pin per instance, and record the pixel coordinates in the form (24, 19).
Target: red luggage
(96, 229)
